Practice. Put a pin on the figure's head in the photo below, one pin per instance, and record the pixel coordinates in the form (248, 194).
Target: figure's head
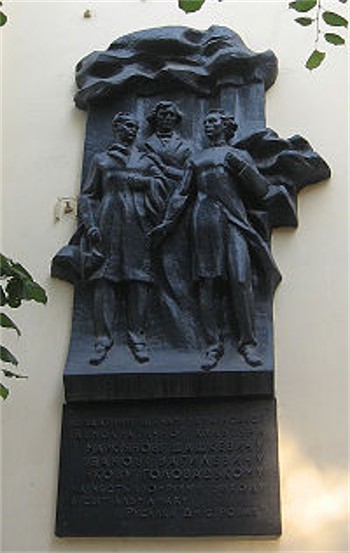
(165, 117)
(125, 128)
(218, 124)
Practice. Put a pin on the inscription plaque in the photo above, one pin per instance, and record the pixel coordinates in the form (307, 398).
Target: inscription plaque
(175, 468)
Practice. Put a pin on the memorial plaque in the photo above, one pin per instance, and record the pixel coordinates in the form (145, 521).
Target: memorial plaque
(170, 427)
(175, 468)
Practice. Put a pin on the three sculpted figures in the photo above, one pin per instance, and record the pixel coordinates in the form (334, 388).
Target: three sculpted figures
(133, 200)
(172, 253)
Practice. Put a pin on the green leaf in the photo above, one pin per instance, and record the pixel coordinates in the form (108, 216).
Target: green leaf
(315, 59)
(303, 5)
(20, 271)
(334, 39)
(304, 21)
(3, 19)
(20, 288)
(4, 392)
(3, 298)
(11, 374)
(7, 357)
(6, 322)
(9, 268)
(33, 291)
(190, 6)
(5, 266)
(334, 19)
(15, 292)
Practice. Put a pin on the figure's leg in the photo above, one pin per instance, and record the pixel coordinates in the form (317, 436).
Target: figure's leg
(137, 303)
(242, 296)
(103, 314)
(210, 316)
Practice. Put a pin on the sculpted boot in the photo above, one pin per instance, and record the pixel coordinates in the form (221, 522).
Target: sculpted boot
(102, 347)
(248, 351)
(138, 346)
(212, 356)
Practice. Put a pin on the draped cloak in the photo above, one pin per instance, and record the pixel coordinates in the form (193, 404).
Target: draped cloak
(213, 189)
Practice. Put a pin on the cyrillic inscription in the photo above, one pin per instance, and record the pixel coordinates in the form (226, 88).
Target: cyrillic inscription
(130, 470)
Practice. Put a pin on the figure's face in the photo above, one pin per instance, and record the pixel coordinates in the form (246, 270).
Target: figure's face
(126, 131)
(214, 126)
(166, 119)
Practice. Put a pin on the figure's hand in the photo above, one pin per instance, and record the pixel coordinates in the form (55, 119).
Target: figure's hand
(94, 235)
(159, 233)
(138, 182)
(169, 171)
(158, 162)
(236, 162)
(173, 173)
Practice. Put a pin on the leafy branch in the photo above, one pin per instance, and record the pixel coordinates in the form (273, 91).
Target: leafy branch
(3, 17)
(17, 285)
(318, 16)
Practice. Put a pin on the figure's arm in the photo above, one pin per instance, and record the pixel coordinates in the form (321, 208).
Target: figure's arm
(243, 167)
(168, 171)
(90, 196)
(179, 197)
(138, 182)
(157, 192)
(176, 205)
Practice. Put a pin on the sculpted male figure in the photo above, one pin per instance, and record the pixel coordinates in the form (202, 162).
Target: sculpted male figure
(113, 208)
(166, 149)
(222, 238)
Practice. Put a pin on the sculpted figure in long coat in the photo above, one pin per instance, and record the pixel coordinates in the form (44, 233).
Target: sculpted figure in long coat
(115, 206)
(223, 240)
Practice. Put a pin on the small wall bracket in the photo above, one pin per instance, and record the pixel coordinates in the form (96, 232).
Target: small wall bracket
(66, 206)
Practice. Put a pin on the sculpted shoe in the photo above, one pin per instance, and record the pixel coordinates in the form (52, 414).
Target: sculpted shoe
(101, 350)
(248, 351)
(138, 346)
(212, 357)
(140, 352)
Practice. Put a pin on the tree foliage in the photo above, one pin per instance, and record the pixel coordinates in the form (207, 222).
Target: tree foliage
(3, 17)
(317, 16)
(190, 6)
(17, 285)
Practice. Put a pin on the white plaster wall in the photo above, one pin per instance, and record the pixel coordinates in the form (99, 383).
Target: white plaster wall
(43, 138)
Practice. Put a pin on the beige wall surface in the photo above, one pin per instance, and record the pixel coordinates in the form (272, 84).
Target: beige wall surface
(43, 137)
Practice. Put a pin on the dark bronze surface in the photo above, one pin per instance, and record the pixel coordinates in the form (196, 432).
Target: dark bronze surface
(175, 468)
(182, 186)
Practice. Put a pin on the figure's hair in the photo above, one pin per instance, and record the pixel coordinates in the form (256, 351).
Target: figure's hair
(121, 117)
(230, 125)
(152, 118)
